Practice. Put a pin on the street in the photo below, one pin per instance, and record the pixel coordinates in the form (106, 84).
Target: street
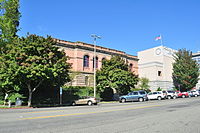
(174, 116)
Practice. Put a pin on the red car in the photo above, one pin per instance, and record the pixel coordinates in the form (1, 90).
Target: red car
(182, 94)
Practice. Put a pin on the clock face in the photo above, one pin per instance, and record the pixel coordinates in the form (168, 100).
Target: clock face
(158, 51)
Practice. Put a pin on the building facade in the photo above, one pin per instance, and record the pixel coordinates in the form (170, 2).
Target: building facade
(156, 65)
(196, 56)
(81, 57)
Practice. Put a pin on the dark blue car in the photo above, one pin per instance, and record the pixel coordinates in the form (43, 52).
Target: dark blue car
(134, 96)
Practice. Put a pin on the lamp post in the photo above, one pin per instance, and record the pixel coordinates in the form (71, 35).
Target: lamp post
(94, 60)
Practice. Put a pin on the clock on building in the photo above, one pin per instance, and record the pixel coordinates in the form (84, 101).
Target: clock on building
(158, 51)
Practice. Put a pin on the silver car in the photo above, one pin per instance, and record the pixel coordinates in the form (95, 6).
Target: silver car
(88, 100)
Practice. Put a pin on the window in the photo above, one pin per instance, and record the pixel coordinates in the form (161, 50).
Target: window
(130, 66)
(135, 93)
(86, 61)
(130, 93)
(142, 92)
(96, 62)
(86, 80)
(159, 73)
(155, 93)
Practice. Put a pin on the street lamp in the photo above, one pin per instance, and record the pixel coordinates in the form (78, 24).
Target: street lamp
(95, 38)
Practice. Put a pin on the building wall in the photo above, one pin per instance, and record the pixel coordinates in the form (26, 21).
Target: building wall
(156, 65)
(196, 56)
(83, 76)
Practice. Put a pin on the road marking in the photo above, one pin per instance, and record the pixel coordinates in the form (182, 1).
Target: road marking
(75, 114)
(124, 105)
(44, 111)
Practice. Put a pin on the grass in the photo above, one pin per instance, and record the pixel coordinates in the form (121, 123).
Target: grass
(12, 107)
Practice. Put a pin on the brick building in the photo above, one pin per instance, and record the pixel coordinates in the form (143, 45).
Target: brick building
(81, 57)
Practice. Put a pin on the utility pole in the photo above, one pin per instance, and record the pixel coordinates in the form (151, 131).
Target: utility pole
(94, 60)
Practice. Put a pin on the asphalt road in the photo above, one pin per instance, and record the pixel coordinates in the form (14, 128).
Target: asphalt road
(174, 116)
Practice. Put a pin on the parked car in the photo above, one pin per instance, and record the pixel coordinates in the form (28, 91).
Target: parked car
(134, 96)
(190, 94)
(193, 93)
(170, 94)
(86, 100)
(159, 95)
(182, 94)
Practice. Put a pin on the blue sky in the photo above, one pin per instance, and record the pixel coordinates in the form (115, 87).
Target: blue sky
(126, 25)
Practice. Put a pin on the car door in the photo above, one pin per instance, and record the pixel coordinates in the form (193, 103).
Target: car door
(129, 96)
(155, 95)
(150, 95)
(81, 100)
(135, 96)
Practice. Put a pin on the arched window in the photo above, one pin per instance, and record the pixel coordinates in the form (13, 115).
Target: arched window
(96, 62)
(131, 67)
(86, 61)
(103, 59)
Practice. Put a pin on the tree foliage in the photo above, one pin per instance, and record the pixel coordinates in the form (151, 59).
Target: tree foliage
(39, 60)
(9, 18)
(9, 22)
(8, 76)
(115, 74)
(144, 83)
(185, 70)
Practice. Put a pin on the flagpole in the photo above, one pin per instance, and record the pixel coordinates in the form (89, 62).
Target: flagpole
(161, 41)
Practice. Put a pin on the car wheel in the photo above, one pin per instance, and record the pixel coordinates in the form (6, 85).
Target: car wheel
(174, 97)
(123, 100)
(183, 96)
(159, 98)
(140, 99)
(195, 95)
(73, 103)
(168, 97)
(89, 103)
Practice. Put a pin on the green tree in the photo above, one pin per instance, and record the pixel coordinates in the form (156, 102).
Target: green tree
(159, 89)
(115, 74)
(144, 83)
(9, 18)
(39, 61)
(8, 77)
(9, 22)
(185, 70)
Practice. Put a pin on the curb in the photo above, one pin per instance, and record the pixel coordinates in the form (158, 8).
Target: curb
(110, 102)
(18, 108)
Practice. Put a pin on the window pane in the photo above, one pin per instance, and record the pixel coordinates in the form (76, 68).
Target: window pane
(86, 61)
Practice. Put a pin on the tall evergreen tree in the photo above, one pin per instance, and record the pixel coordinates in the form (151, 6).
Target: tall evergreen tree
(9, 18)
(115, 74)
(9, 23)
(185, 70)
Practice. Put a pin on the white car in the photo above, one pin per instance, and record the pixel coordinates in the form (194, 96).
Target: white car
(159, 95)
(195, 93)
